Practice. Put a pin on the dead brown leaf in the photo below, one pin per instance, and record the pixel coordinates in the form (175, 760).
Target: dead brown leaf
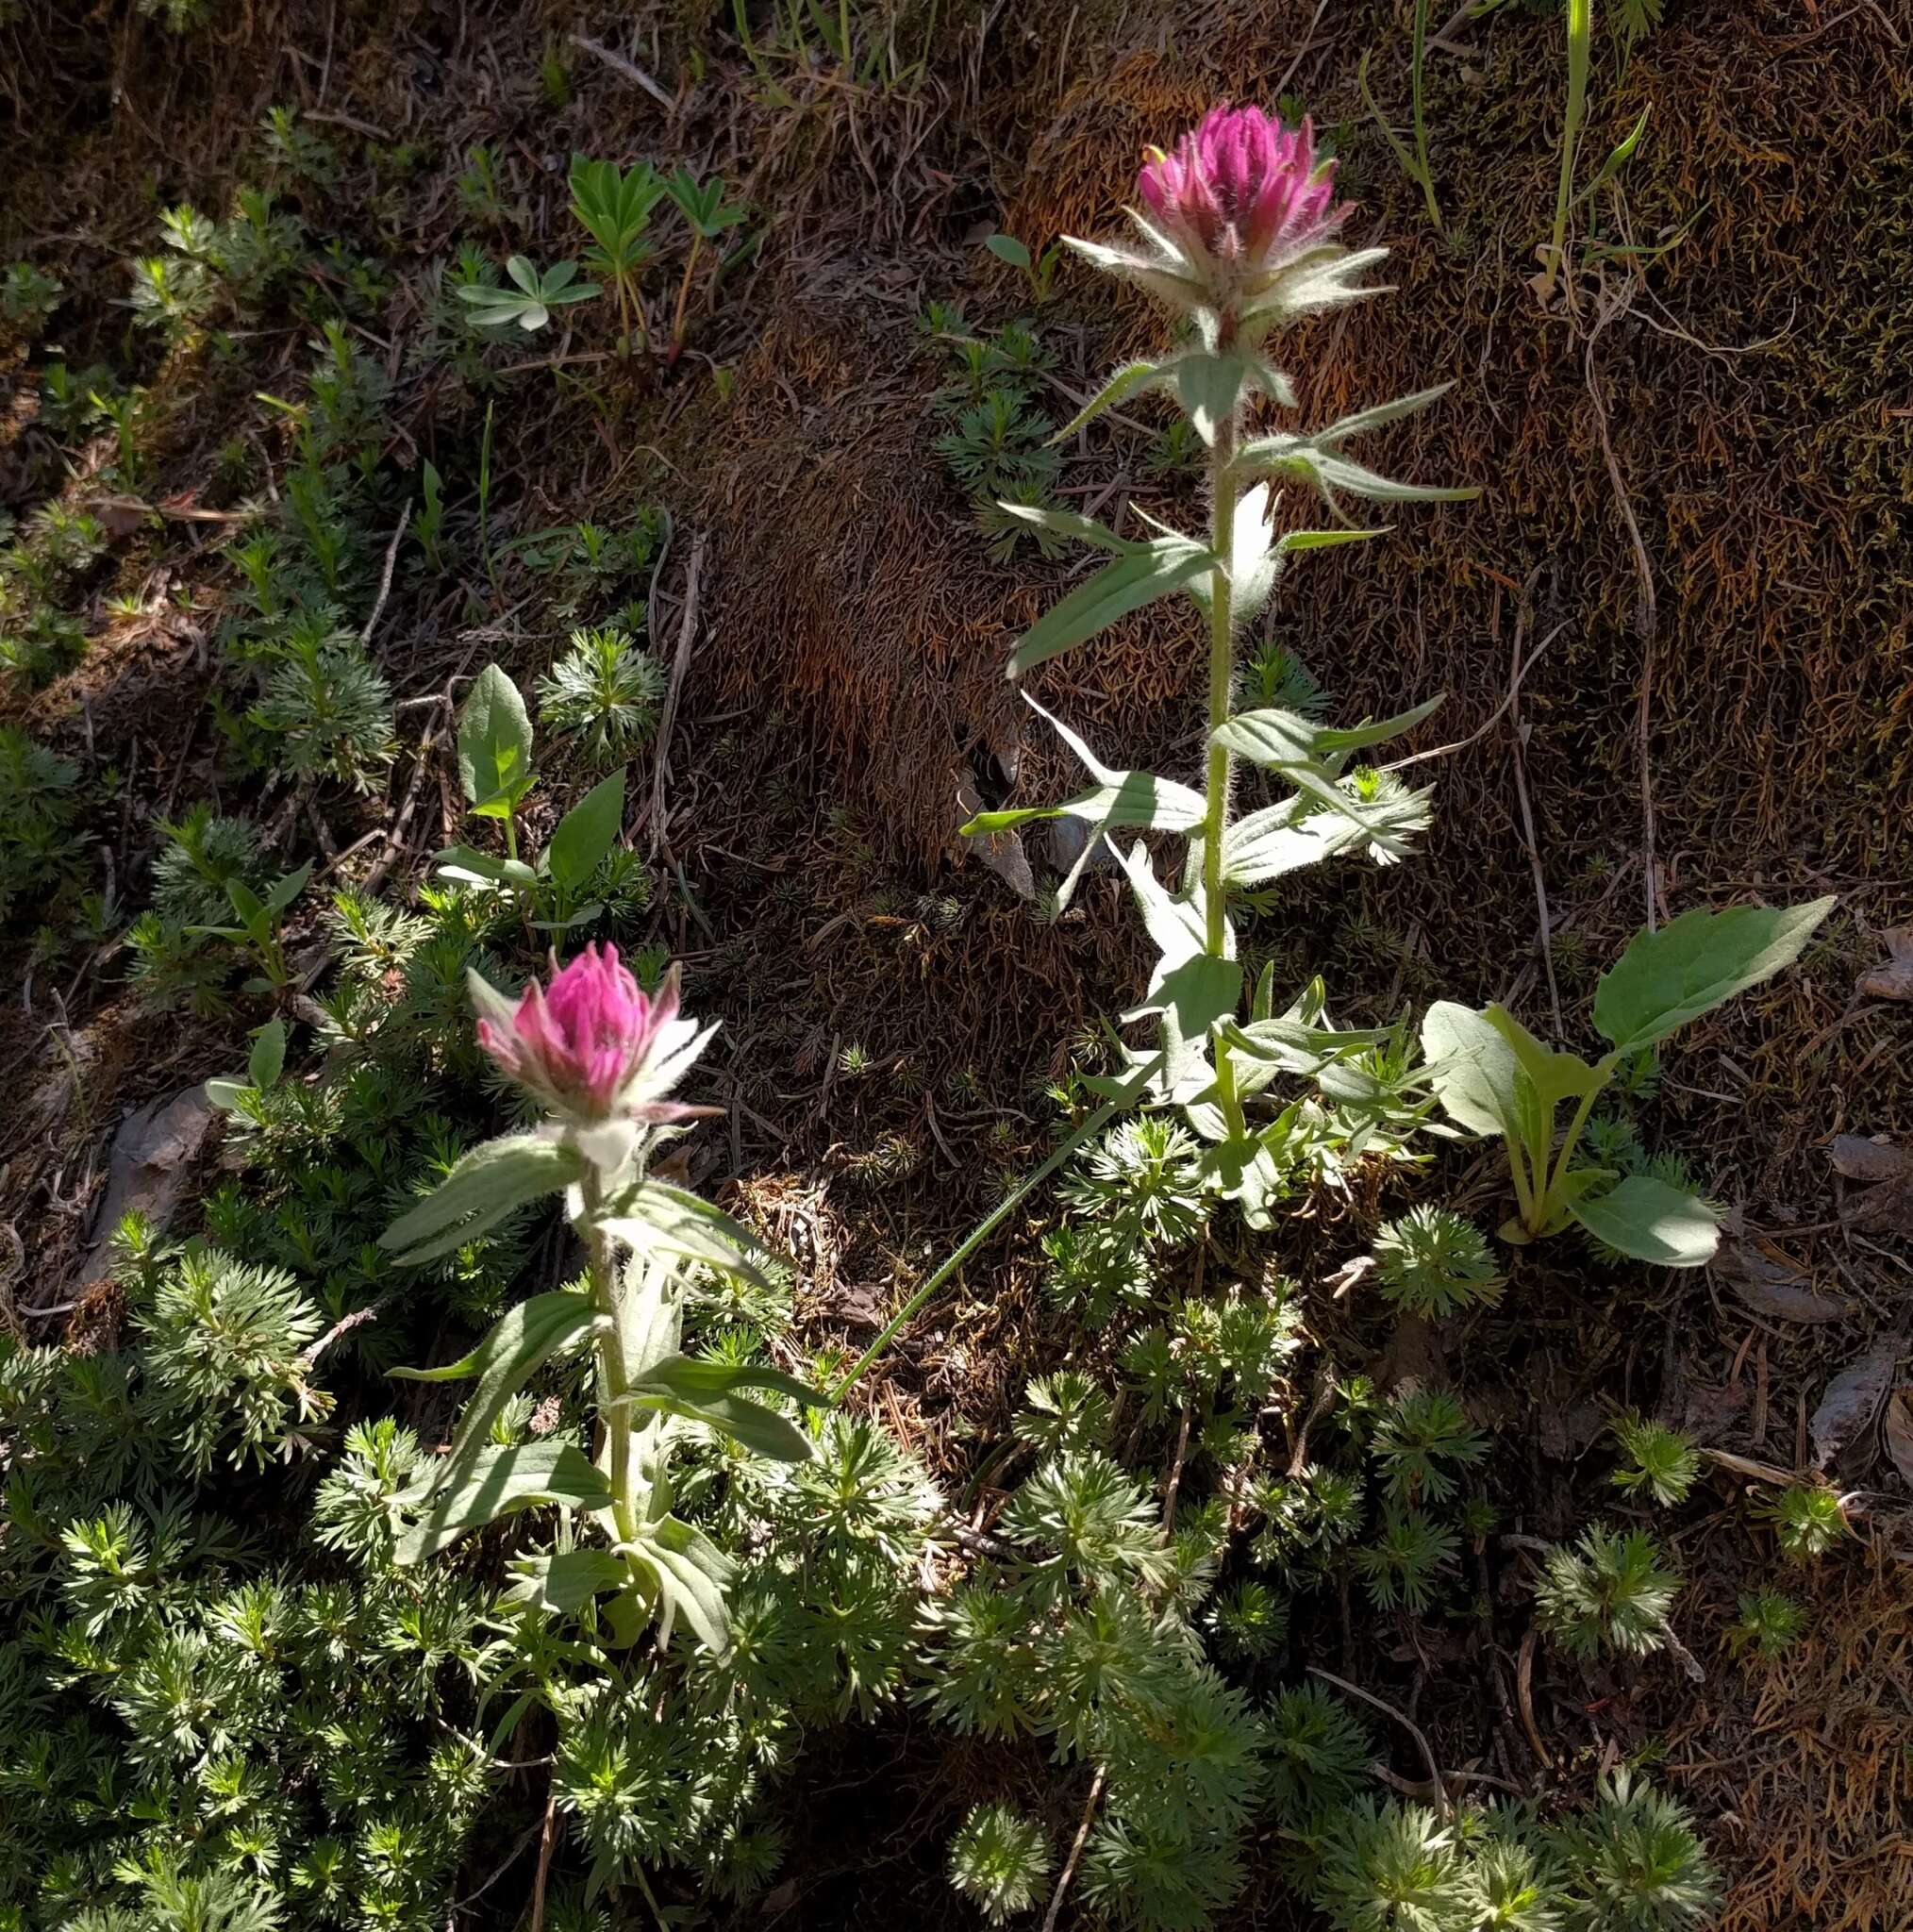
(1887, 1206)
(1769, 1284)
(1854, 1397)
(1894, 980)
(1898, 1434)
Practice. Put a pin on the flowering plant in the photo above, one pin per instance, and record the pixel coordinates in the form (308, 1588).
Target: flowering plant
(1239, 228)
(601, 1057)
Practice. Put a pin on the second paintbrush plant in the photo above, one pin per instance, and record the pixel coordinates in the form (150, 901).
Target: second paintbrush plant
(1237, 236)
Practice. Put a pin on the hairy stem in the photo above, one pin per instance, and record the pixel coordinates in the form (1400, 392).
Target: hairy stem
(614, 1373)
(1221, 668)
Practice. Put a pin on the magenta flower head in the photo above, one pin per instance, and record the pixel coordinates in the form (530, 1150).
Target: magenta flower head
(592, 1046)
(1242, 188)
(1242, 221)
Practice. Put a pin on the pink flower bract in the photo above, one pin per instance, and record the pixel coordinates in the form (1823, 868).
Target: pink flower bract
(1243, 189)
(583, 1043)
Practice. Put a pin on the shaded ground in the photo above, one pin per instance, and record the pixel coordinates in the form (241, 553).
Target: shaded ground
(1695, 490)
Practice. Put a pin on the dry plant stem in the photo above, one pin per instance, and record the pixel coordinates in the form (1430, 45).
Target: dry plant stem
(1076, 1858)
(1408, 1723)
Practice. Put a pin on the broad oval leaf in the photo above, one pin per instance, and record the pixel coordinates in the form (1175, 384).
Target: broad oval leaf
(494, 739)
(1694, 963)
(487, 1184)
(1652, 1221)
(1472, 1068)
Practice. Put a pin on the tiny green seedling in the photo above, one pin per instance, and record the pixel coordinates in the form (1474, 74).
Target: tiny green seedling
(1495, 1078)
(614, 206)
(259, 926)
(530, 303)
(264, 1065)
(703, 206)
(496, 771)
(1039, 271)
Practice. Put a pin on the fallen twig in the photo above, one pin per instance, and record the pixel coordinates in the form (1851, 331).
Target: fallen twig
(680, 665)
(629, 69)
(1075, 1856)
(1408, 1723)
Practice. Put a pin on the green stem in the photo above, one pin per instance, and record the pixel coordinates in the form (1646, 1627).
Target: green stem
(1580, 33)
(1222, 668)
(1094, 1124)
(1546, 1209)
(684, 291)
(614, 1374)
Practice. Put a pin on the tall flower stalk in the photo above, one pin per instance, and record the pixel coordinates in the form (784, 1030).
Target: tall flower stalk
(601, 1059)
(1237, 229)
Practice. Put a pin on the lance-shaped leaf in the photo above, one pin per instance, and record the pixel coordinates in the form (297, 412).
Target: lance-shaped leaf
(1131, 379)
(565, 1582)
(697, 1379)
(1129, 584)
(1556, 1075)
(1695, 962)
(1274, 841)
(689, 1575)
(762, 1431)
(1118, 799)
(494, 1483)
(1652, 1221)
(1190, 989)
(491, 1182)
(1334, 474)
(522, 1340)
(1068, 523)
(587, 833)
(654, 1217)
(1360, 736)
(1382, 413)
(1156, 275)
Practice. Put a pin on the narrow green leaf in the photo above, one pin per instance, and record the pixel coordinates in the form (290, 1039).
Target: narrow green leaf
(522, 1340)
(489, 1183)
(694, 1379)
(1129, 380)
(1136, 798)
(1129, 584)
(1652, 1221)
(284, 890)
(1360, 736)
(1693, 964)
(1365, 420)
(1068, 522)
(760, 1430)
(1008, 248)
(495, 1482)
(692, 1574)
